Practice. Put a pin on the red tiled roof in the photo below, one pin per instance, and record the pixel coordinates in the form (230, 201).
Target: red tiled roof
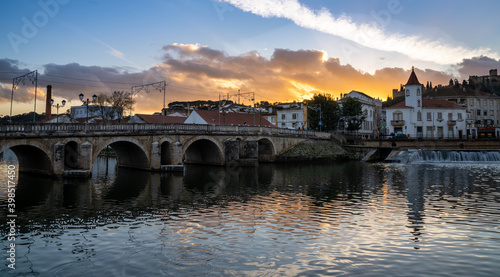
(212, 117)
(430, 103)
(413, 79)
(438, 103)
(159, 118)
(47, 119)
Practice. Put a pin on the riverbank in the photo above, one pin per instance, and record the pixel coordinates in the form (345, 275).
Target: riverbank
(314, 150)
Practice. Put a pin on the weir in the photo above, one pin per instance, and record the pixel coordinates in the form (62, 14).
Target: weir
(435, 156)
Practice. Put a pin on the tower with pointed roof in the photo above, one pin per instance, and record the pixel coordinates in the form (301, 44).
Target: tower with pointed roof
(413, 91)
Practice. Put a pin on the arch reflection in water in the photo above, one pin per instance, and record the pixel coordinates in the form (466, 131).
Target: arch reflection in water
(293, 219)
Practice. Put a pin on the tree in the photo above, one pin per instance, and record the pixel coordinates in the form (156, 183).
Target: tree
(111, 106)
(352, 111)
(323, 107)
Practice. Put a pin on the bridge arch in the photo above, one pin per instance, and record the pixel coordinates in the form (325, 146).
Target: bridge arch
(204, 150)
(165, 151)
(32, 158)
(71, 155)
(129, 152)
(267, 151)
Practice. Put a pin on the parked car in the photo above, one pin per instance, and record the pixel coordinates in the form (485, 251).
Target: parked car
(400, 136)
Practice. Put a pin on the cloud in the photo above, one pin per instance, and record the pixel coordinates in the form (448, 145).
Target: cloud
(10, 69)
(195, 72)
(478, 66)
(371, 36)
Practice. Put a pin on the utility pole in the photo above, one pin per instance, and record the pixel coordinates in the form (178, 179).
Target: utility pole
(33, 77)
(246, 95)
(160, 86)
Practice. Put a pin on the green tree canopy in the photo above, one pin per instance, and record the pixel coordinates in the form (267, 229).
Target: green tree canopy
(352, 111)
(325, 107)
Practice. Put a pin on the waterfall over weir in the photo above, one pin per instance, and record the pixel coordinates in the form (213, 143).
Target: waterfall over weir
(434, 156)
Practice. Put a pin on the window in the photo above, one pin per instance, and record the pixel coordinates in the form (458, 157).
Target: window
(429, 132)
(485, 112)
(407, 92)
(450, 116)
(440, 116)
(418, 92)
(484, 102)
(419, 116)
(283, 116)
(283, 125)
(471, 103)
(440, 132)
(491, 102)
(294, 116)
(418, 103)
(459, 116)
(478, 112)
(429, 116)
(397, 116)
(491, 112)
(479, 102)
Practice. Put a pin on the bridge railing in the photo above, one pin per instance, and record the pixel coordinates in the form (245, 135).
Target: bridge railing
(138, 128)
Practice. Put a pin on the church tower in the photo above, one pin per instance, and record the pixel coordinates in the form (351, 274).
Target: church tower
(413, 92)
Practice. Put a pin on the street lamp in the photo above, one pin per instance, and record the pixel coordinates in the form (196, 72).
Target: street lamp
(57, 107)
(94, 99)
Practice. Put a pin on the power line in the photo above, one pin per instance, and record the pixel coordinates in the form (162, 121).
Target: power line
(104, 82)
(88, 80)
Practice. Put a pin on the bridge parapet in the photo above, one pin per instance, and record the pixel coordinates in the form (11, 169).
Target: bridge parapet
(40, 130)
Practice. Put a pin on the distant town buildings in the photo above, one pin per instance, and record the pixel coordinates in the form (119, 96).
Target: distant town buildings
(488, 83)
(456, 111)
(215, 117)
(154, 119)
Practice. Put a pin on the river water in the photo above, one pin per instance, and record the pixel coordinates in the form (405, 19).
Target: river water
(341, 219)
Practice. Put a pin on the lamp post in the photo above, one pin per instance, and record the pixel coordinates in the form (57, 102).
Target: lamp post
(57, 108)
(94, 99)
(317, 107)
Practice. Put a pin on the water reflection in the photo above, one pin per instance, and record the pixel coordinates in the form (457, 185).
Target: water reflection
(294, 219)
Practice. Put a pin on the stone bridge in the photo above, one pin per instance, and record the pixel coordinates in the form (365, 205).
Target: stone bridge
(72, 149)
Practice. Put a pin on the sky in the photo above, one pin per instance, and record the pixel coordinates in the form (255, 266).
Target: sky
(283, 50)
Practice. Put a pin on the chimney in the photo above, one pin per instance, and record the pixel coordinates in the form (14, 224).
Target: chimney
(48, 106)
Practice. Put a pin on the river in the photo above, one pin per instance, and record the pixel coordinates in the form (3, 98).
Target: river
(340, 219)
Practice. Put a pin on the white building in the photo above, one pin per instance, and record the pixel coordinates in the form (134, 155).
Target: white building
(96, 111)
(372, 110)
(291, 115)
(425, 118)
(483, 109)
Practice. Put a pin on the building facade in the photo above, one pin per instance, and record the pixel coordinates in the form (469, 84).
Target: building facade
(372, 111)
(107, 112)
(291, 115)
(483, 109)
(416, 117)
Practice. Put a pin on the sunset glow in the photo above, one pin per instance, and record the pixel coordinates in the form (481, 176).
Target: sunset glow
(281, 50)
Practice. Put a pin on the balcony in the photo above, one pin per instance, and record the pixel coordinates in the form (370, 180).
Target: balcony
(452, 122)
(397, 123)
